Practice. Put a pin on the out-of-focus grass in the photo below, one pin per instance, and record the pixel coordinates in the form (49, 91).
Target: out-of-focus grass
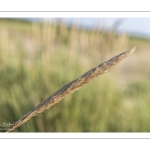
(38, 59)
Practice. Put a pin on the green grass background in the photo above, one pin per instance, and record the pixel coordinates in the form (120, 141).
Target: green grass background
(36, 59)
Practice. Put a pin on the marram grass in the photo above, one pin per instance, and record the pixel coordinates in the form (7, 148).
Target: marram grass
(72, 87)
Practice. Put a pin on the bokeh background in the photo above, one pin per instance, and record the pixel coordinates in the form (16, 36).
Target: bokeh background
(40, 55)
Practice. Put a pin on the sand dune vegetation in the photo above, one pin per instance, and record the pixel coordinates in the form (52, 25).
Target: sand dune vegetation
(37, 59)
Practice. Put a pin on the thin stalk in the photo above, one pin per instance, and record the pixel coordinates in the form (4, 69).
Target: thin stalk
(72, 87)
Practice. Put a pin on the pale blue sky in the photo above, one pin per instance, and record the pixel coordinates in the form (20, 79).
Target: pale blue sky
(136, 26)
(132, 26)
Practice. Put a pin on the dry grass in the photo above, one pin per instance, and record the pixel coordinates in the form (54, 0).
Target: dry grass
(72, 87)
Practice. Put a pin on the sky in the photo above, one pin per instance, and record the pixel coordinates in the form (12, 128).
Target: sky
(134, 26)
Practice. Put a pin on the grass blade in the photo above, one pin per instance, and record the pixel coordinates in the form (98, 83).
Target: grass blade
(72, 87)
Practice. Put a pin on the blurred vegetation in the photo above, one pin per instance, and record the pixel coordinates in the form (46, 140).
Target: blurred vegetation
(36, 59)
